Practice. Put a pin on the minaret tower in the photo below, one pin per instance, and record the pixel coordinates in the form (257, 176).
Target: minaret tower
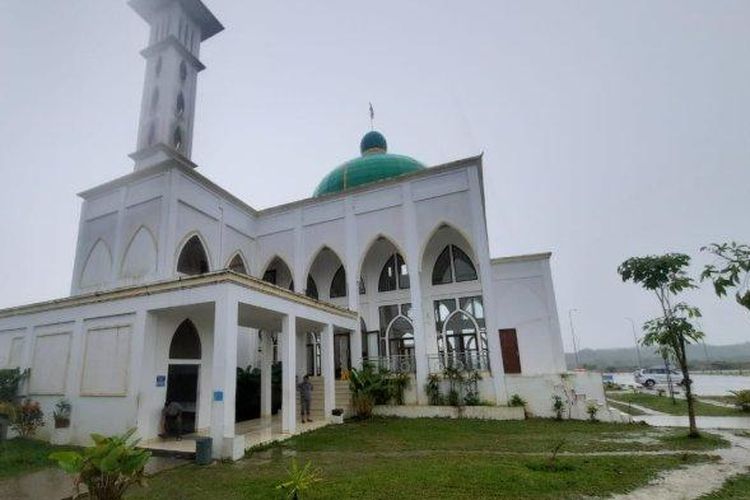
(178, 27)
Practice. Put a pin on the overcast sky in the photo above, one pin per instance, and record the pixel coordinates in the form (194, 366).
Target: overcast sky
(609, 129)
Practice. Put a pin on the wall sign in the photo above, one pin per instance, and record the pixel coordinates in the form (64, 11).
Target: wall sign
(218, 395)
(161, 380)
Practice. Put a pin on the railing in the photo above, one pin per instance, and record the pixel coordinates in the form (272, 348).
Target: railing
(401, 363)
(460, 360)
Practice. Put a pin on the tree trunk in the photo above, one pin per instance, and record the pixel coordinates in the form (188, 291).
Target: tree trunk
(688, 390)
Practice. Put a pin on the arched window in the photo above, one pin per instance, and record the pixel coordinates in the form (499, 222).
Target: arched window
(313, 354)
(395, 274)
(186, 343)
(177, 138)
(453, 265)
(193, 259)
(179, 109)
(311, 290)
(338, 285)
(277, 272)
(237, 264)
(183, 71)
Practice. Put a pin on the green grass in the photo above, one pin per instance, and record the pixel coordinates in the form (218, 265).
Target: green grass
(459, 476)
(19, 456)
(437, 458)
(734, 487)
(625, 408)
(529, 436)
(664, 404)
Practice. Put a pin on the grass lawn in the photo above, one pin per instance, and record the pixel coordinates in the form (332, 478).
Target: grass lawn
(735, 487)
(664, 404)
(436, 458)
(19, 456)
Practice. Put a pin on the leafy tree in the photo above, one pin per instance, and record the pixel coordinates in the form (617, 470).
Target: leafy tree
(666, 276)
(732, 271)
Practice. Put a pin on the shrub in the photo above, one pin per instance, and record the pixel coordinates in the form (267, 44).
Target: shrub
(300, 480)
(10, 379)
(108, 468)
(592, 408)
(368, 387)
(456, 380)
(27, 418)
(471, 383)
(516, 400)
(432, 389)
(558, 406)
(741, 399)
(62, 414)
(398, 384)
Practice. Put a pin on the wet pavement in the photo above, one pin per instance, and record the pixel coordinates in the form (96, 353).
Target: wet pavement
(701, 422)
(54, 484)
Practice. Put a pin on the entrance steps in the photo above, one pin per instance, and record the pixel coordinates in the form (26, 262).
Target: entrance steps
(342, 397)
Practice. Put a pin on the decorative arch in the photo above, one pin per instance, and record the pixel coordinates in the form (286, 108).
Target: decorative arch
(186, 343)
(193, 256)
(313, 257)
(446, 225)
(97, 268)
(311, 288)
(453, 265)
(237, 263)
(141, 254)
(371, 242)
(270, 273)
(399, 334)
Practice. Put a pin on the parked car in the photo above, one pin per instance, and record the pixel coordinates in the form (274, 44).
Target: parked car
(649, 377)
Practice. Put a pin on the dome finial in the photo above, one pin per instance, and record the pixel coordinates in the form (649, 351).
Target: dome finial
(372, 118)
(373, 142)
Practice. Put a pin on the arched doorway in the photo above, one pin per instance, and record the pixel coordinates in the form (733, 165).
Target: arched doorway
(184, 371)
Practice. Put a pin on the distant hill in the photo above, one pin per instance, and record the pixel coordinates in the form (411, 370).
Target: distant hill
(709, 357)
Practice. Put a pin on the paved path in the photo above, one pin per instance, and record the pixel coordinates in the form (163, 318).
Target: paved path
(647, 411)
(694, 481)
(664, 420)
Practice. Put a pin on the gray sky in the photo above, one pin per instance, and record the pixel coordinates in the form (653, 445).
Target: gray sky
(610, 129)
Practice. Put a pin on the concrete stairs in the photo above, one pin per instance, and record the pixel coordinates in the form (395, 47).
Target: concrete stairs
(342, 398)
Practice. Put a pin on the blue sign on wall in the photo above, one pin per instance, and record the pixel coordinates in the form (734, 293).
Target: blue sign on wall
(218, 395)
(161, 380)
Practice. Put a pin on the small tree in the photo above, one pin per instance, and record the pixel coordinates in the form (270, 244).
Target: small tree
(666, 276)
(732, 270)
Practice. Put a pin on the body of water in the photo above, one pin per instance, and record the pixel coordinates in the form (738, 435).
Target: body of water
(703, 385)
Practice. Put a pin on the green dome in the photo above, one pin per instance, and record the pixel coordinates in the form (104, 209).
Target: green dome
(375, 164)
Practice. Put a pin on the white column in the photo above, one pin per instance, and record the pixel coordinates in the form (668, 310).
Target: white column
(144, 347)
(482, 248)
(224, 373)
(415, 279)
(288, 355)
(266, 365)
(327, 370)
(352, 280)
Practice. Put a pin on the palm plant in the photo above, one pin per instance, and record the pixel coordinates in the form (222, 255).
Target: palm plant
(299, 480)
(368, 387)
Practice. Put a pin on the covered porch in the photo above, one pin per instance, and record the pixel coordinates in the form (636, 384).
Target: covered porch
(202, 378)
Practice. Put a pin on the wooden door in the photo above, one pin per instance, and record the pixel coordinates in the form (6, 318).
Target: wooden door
(509, 348)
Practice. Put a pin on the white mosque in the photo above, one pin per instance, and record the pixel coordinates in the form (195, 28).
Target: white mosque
(177, 282)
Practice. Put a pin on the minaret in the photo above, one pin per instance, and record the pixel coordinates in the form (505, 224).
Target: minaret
(167, 116)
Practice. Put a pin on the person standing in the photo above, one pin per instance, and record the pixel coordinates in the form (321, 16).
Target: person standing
(305, 391)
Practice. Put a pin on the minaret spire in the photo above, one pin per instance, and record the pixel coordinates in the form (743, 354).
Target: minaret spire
(178, 27)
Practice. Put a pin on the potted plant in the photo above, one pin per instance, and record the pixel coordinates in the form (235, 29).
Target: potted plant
(337, 416)
(61, 414)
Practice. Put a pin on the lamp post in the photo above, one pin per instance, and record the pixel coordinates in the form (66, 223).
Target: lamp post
(573, 335)
(635, 339)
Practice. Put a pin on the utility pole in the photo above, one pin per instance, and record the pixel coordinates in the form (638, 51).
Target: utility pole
(635, 339)
(573, 335)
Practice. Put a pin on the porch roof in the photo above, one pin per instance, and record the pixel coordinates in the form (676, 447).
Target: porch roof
(207, 279)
